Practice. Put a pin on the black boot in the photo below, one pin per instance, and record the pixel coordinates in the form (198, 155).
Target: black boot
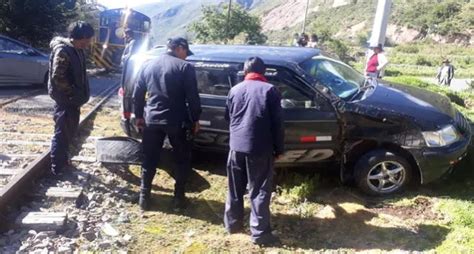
(179, 200)
(144, 201)
(145, 189)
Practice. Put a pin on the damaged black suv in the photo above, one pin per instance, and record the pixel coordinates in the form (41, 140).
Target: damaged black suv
(382, 135)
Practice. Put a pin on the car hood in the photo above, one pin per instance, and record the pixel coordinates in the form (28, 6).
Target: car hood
(423, 106)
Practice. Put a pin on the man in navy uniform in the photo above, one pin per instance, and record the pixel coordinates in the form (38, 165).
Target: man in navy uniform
(172, 109)
(256, 140)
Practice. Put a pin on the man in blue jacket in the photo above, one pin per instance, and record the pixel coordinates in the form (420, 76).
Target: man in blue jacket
(172, 109)
(68, 86)
(256, 140)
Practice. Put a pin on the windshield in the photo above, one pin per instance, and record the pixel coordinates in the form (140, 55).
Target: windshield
(341, 79)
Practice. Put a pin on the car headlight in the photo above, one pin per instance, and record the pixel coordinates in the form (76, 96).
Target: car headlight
(443, 137)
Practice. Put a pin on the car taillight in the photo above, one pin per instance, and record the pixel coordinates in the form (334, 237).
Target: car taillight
(308, 139)
(313, 139)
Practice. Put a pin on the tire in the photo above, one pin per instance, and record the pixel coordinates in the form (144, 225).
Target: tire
(382, 172)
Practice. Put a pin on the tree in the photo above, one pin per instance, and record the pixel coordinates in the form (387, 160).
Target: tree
(37, 21)
(213, 27)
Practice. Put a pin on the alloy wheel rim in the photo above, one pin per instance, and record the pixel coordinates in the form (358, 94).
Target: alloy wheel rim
(386, 176)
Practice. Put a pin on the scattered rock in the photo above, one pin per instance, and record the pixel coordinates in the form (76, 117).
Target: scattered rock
(109, 230)
(41, 236)
(90, 236)
(92, 205)
(24, 247)
(93, 196)
(64, 249)
(123, 218)
(104, 245)
(106, 218)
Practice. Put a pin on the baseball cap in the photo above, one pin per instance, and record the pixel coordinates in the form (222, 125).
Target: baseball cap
(179, 42)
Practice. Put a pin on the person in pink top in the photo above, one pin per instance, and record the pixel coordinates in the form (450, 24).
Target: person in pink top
(376, 62)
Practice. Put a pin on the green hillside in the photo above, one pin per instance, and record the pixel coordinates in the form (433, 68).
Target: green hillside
(453, 18)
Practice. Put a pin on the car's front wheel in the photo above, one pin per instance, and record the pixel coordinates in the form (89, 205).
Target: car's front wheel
(382, 172)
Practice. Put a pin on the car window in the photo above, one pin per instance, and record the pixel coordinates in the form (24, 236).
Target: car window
(339, 78)
(7, 46)
(292, 94)
(215, 79)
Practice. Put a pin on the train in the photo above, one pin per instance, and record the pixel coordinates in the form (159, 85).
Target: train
(108, 46)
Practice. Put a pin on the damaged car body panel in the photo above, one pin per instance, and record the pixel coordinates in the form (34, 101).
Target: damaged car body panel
(383, 135)
(398, 115)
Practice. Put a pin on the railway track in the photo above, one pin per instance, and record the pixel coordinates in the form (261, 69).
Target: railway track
(73, 212)
(25, 141)
(6, 101)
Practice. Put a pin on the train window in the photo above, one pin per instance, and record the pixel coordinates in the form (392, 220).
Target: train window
(146, 26)
(104, 21)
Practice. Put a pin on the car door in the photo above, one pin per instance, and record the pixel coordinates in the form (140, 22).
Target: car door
(214, 83)
(312, 130)
(16, 65)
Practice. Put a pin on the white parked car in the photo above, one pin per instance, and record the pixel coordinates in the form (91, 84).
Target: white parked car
(21, 64)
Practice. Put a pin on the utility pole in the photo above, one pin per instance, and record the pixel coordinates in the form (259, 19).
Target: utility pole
(228, 20)
(305, 15)
(379, 29)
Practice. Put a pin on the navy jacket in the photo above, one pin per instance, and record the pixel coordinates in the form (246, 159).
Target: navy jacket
(255, 118)
(173, 98)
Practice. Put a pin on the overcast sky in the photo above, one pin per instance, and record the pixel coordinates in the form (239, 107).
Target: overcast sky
(122, 3)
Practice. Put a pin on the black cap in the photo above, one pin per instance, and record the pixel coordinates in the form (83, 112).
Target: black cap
(179, 42)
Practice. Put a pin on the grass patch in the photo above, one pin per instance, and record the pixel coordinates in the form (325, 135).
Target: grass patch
(298, 188)
(461, 225)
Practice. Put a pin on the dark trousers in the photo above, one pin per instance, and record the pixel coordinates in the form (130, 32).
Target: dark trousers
(152, 142)
(66, 122)
(256, 172)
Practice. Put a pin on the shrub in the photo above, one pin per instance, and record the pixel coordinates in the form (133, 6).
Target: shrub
(339, 48)
(298, 188)
(409, 48)
(362, 39)
(421, 60)
(392, 73)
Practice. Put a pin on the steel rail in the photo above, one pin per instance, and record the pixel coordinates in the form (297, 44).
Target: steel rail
(23, 96)
(19, 183)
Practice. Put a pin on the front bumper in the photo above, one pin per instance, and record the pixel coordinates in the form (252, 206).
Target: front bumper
(434, 162)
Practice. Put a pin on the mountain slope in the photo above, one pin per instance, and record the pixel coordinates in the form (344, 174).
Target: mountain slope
(170, 18)
(445, 21)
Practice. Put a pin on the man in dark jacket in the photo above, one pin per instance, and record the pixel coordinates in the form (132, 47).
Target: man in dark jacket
(69, 87)
(131, 46)
(256, 140)
(172, 109)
